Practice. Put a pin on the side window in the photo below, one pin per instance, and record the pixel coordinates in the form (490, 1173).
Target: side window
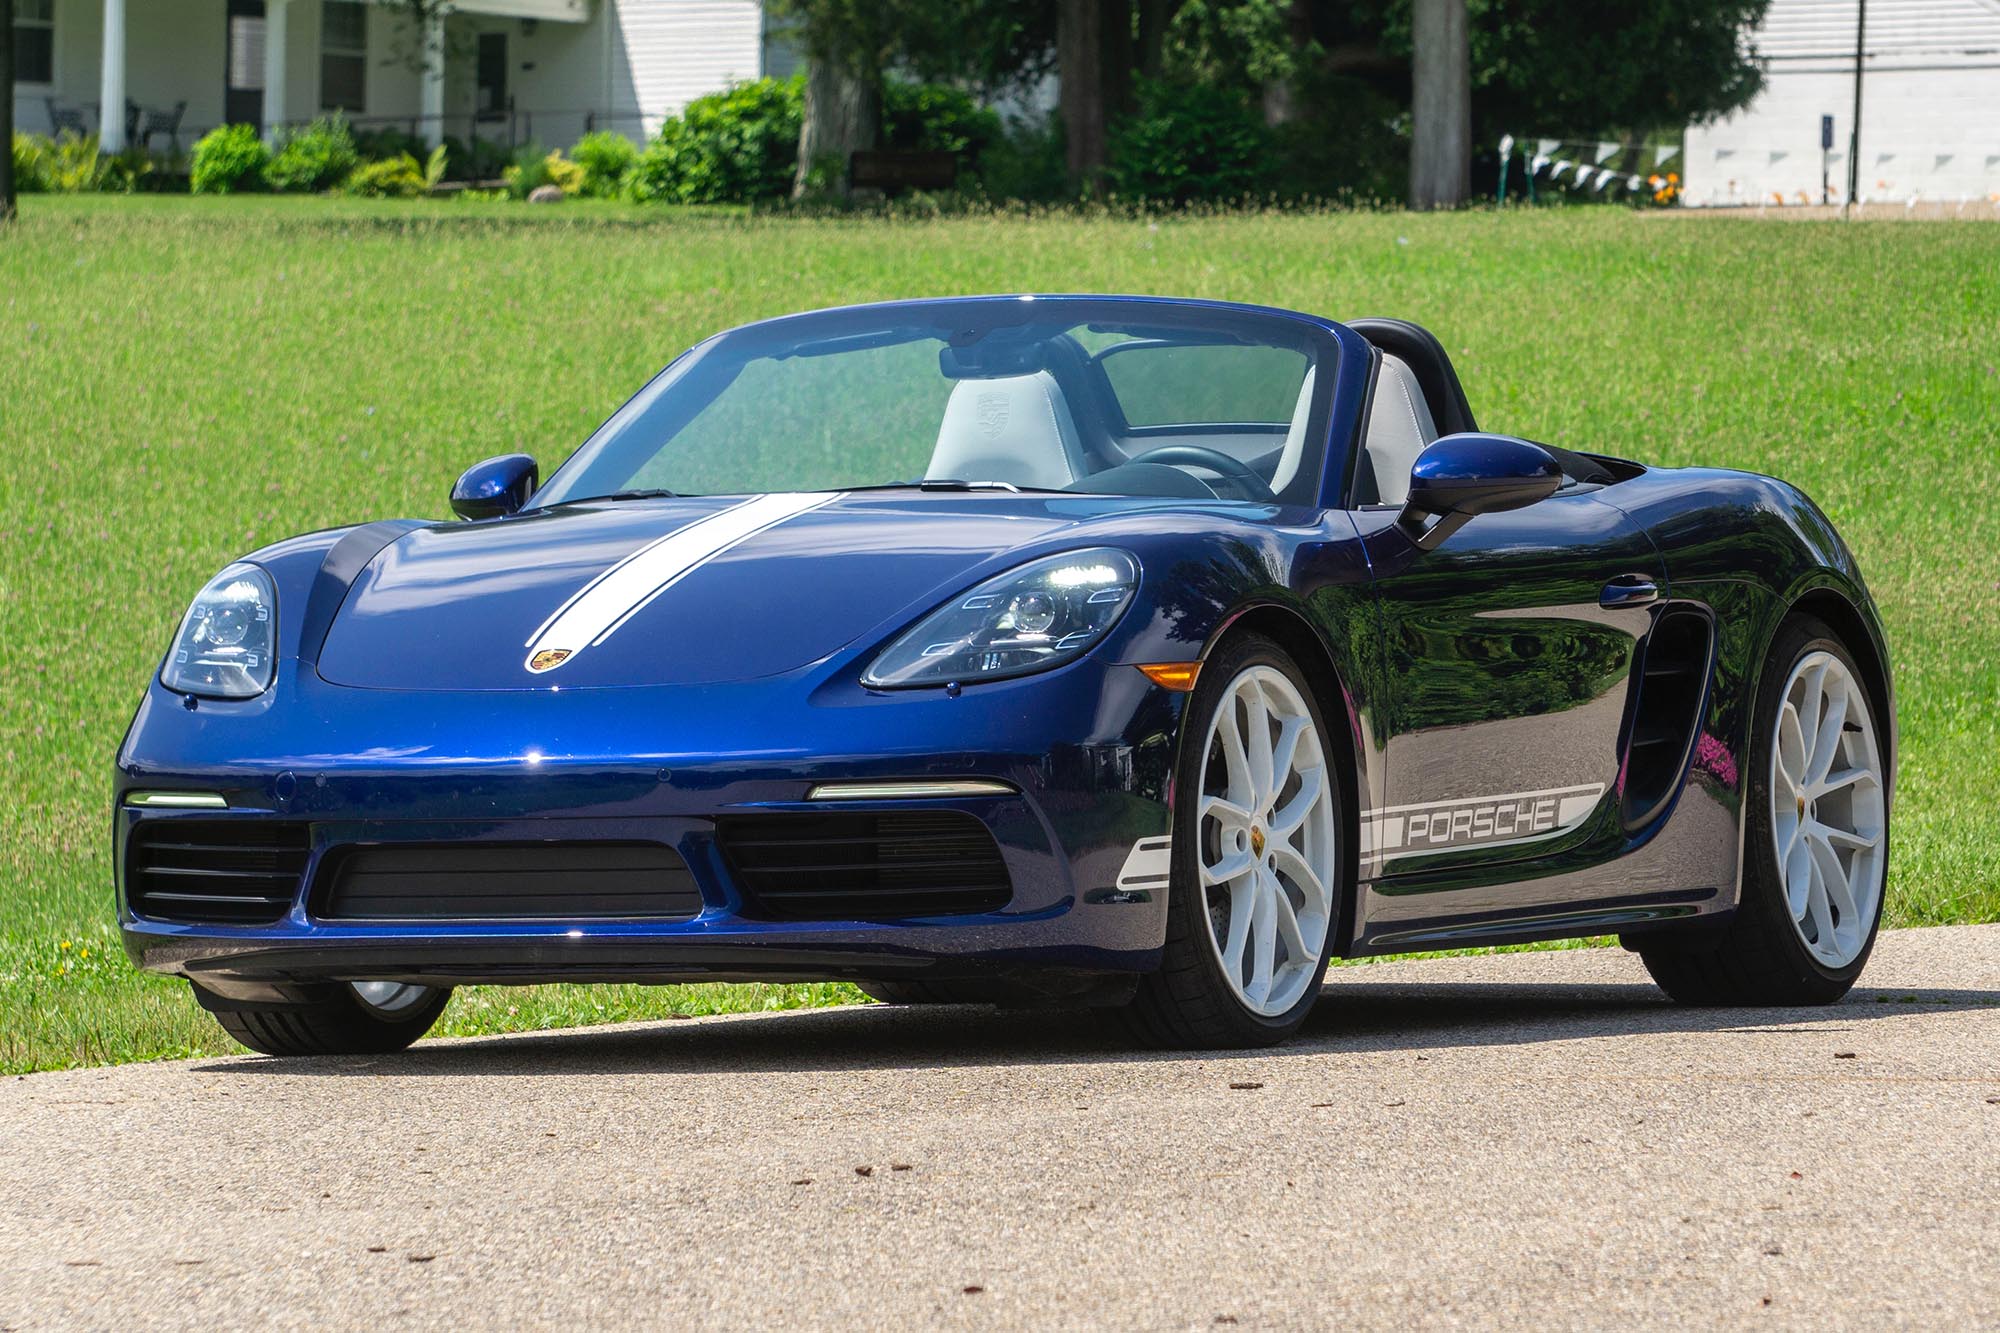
(34, 41)
(1169, 384)
(343, 56)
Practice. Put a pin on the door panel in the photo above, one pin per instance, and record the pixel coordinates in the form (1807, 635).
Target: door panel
(1507, 668)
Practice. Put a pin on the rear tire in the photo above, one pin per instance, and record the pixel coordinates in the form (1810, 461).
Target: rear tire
(339, 1023)
(1807, 945)
(1258, 867)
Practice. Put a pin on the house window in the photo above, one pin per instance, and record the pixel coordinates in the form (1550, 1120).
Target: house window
(35, 41)
(343, 55)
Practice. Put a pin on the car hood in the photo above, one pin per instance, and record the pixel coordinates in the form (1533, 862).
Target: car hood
(664, 592)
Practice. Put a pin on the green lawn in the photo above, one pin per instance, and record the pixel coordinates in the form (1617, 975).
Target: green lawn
(183, 380)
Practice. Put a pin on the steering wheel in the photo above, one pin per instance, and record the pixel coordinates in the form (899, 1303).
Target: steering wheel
(1233, 470)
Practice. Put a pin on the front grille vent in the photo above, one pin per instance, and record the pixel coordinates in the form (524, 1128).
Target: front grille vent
(864, 867)
(232, 871)
(536, 881)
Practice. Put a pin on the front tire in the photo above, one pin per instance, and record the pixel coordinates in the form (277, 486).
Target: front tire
(1815, 857)
(1258, 868)
(350, 1018)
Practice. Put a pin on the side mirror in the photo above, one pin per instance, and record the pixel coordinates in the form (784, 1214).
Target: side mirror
(496, 487)
(1462, 476)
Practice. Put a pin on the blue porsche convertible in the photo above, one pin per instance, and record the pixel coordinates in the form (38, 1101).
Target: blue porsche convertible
(1088, 651)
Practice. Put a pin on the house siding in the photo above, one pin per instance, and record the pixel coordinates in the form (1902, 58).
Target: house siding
(1930, 116)
(627, 66)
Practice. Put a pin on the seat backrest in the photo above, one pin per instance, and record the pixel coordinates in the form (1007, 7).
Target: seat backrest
(1015, 429)
(1294, 452)
(1399, 427)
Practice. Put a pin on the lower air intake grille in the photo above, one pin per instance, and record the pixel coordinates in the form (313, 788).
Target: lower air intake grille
(537, 881)
(233, 871)
(864, 866)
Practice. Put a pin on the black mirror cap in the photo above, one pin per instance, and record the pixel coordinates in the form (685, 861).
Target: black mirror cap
(496, 487)
(1465, 475)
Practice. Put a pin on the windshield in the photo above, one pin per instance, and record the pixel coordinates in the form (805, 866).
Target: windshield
(1060, 394)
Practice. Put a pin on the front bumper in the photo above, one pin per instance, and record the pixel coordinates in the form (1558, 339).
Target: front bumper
(1087, 750)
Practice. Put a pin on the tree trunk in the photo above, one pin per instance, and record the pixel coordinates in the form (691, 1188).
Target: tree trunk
(1441, 104)
(1080, 76)
(1281, 96)
(6, 110)
(843, 116)
(1155, 16)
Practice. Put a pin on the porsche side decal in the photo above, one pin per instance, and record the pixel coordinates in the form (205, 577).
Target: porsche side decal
(1476, 821)
(597, 609)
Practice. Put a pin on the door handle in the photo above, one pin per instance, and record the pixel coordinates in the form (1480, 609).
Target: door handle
(1628, 590)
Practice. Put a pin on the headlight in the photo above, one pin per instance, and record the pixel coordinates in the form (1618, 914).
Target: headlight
(224, 648)
(1037, 616)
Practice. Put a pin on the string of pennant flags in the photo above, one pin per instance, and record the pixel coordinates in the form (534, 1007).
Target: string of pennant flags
(1591, 173)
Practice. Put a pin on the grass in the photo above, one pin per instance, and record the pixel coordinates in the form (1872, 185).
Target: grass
(183, 380)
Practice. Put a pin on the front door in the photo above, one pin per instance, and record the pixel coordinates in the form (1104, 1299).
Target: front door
(491, 86)
(243, 74)
(1508, 665)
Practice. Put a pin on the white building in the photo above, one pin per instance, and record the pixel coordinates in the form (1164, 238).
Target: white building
(519, 70)
(1930, 107)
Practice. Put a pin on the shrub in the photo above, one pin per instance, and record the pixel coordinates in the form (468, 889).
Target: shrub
(533, 169)
(227, 159)
(398, 177)
(474, 159)
(387, 143)
(1366, 159)
(939, 118)
(606, 158)
(317, 157)
(1027, 162)
(31, 159)
(74, 166)
(734, 146)
(1189, 141)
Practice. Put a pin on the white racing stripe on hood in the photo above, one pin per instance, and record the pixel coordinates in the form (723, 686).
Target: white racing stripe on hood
(622, 591)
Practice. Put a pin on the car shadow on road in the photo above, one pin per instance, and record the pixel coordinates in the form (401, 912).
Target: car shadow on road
(1355, 1016)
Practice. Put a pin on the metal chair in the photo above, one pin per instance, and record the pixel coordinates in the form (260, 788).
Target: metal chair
(162, 122)
(66, 118)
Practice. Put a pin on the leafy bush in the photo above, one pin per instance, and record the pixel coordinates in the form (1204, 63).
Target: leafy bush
(606, 158)
(938, 118)
(227, 159)
(729, 147)
(387, 143)
(317, 157)
(533, 169)
(474, 159)
(1189, 141)
(31, 158)
(1027, 162)
(74, 166)
(1366, 158)
(398, 177)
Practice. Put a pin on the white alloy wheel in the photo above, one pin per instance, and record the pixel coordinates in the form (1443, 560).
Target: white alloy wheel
(1828, 814)
(1266, 840)
(390, 997)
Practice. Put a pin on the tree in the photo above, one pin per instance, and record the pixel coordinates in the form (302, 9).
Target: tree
(1440, 104)
(6, 110)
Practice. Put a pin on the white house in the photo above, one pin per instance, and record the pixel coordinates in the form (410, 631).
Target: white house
(1930, 107)
(519, 70)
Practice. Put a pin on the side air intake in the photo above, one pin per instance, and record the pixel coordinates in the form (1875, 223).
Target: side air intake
(1675, 663)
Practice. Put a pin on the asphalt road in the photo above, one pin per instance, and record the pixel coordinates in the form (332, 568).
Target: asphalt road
(1528, 1140)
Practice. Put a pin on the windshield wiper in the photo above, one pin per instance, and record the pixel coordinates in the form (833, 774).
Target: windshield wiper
(651, 493)
(951, 484)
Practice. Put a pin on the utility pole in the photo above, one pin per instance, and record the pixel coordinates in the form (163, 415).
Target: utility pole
(1854, 130)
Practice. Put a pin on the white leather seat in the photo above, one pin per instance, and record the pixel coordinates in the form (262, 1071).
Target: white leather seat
(1399, 426)
(1294, 452)
(1015, 429)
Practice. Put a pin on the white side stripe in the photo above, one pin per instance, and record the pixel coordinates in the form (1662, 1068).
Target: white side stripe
(596, 611)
